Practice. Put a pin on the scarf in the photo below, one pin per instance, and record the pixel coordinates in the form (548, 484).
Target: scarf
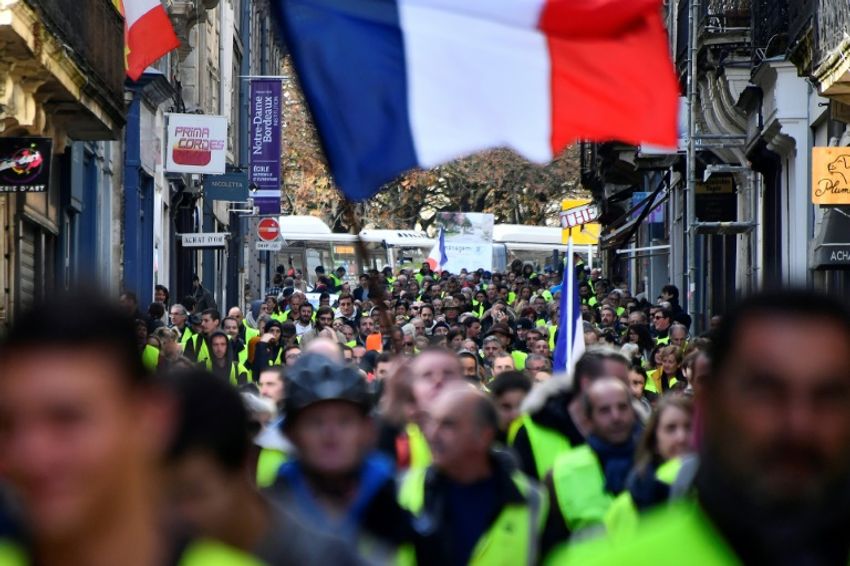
(616, 461)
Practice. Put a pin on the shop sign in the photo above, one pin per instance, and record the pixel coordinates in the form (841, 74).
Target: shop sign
(25, 164)
(831, 175)
(204, 240)
(196, 144)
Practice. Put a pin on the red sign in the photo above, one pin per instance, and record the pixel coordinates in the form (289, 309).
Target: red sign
(268, 229)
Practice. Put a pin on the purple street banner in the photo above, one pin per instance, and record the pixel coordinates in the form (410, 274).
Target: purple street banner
(264, 155)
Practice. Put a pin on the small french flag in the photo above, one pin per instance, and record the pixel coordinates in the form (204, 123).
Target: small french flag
(438, 258)
(398, 84)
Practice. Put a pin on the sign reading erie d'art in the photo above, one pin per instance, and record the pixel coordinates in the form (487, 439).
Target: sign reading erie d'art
(831, 175)
(25, 165)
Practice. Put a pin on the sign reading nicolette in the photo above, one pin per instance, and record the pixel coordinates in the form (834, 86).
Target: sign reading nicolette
(196, 144)
(25, 164)
(831, 175)
(204, 240)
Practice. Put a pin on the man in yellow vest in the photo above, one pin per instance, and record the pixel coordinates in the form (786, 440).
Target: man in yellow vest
(585, 480)
(555, 419)
(774, 475)
(85, 431)
(480, 509)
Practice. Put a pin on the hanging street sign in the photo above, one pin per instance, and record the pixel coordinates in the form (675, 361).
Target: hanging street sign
(205, 240)
(579, 215)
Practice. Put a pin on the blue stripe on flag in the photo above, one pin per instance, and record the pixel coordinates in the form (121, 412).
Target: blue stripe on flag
(351, 65)
(444, 259)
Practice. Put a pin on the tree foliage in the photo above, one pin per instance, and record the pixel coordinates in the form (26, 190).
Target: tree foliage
(497, 181)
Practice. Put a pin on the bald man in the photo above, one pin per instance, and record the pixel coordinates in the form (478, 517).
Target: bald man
(245, 331)
(326, 347)
(471, 492)
(584, 481)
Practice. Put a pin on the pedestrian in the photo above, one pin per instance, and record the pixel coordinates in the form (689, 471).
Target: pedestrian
(336, 484)
(508, 390)
(585, 480)
(85, 429)
(471, 493)
(554, 418)
(774, 454)
(666, 439)
(210, 488)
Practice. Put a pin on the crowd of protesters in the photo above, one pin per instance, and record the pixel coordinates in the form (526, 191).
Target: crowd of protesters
(417, 419)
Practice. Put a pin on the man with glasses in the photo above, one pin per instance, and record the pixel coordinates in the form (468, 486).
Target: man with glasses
(409, 344)
(180, 321)
(662, 320)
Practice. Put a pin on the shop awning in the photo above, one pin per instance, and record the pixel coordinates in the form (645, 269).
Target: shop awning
(831, 247)
(621, 231)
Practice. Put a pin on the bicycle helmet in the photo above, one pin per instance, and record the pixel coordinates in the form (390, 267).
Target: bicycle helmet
(315, 378)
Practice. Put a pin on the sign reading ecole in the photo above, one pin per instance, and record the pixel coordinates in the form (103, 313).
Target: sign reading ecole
(204, 240)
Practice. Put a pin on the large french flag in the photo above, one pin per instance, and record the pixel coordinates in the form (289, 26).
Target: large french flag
(399, 84)
(148, 34)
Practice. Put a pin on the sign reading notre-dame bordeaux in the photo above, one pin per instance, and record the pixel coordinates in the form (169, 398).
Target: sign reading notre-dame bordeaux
(25, 164)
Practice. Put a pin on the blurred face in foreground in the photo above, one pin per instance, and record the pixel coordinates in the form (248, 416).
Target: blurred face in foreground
(332, 437)
(76, 438)
(776, 421)
(432, 371)
(612, 417)
(454, 432)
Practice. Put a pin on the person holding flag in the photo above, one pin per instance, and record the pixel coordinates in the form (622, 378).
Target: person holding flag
(438, 258)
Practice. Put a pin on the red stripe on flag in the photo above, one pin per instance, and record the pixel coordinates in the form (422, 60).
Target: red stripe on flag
(611, 85)
(151, 37)
(594, 18)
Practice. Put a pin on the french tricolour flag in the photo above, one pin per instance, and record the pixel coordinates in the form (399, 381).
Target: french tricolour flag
(148, 34)
(399, 84)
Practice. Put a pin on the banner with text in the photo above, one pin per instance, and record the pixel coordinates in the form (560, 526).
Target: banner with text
(264, 170)
(469, 240)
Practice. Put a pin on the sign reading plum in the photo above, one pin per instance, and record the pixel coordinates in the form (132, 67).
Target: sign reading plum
(196, 144)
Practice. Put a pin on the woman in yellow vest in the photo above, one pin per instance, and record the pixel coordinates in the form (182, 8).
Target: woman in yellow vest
(665, 440)
(668, 375)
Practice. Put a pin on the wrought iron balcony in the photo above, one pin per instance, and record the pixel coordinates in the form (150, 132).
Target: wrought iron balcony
(832, 24)
(93, 34)
(770, 28)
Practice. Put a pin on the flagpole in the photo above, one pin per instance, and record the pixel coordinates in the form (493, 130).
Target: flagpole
(570, 275)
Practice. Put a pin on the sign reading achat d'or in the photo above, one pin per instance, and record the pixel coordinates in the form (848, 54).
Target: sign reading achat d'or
(831, 175)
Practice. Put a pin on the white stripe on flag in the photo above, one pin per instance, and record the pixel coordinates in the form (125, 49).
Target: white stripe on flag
(135, 9)
(474, 82)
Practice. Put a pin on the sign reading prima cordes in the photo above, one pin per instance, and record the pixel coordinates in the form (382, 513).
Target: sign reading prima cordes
(831, 175)
(196, 144)
(25, 164)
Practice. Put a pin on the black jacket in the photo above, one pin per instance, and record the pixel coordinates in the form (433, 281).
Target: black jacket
(432, 524)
